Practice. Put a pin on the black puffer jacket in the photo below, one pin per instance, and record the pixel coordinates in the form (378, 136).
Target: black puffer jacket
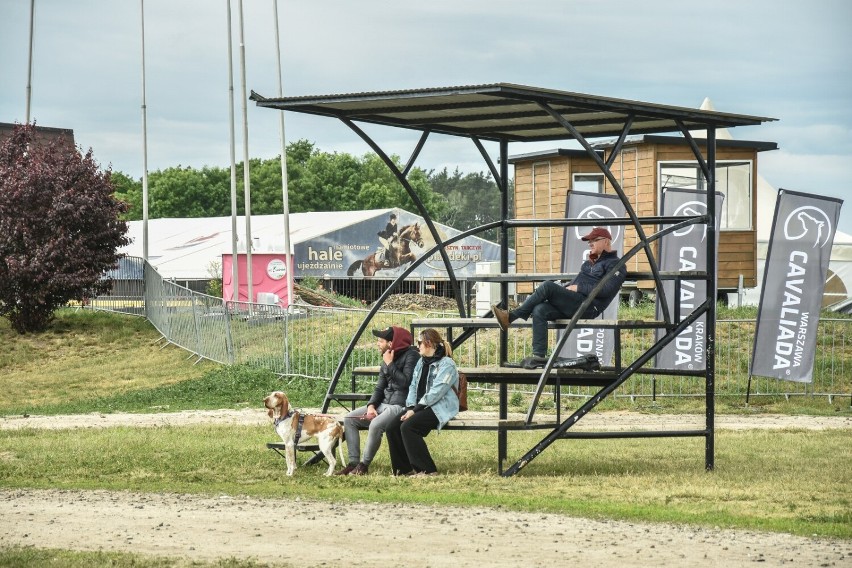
(395, 378)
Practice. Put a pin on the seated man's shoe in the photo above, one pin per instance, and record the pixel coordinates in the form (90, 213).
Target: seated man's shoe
(534, 362)
(502, 317)
(360, 469)
(346, 470)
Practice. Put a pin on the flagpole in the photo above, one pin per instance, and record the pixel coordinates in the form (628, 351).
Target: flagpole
(286, 201)
(235, 268)
(144, 146)
(30, 61)
(246, 186)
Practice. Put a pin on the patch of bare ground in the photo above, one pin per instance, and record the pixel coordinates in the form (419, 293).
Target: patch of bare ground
(299, 532)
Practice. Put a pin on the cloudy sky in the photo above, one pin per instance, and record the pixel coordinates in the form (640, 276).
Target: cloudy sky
(786, 59)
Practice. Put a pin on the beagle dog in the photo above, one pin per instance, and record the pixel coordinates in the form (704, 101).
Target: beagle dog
(295, 427)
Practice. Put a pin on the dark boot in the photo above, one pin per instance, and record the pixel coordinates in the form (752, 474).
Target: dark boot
(502, 317)
(534, 362)
(346, 470)
(360, 469)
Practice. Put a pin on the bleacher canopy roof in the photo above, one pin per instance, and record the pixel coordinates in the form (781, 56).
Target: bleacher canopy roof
(505, 111)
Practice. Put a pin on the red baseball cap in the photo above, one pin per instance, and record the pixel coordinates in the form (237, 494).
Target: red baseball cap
(597, 233)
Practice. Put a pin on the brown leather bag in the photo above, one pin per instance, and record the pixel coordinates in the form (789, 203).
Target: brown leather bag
(461, 392)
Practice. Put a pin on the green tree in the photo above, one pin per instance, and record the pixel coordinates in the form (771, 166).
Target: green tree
(187, 192)
(472, 200)
(59, 229)
(129, 191)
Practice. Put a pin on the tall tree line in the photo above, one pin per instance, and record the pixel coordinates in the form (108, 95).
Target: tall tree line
(318, 181)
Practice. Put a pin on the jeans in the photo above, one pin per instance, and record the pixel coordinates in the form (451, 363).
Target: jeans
(549, 302)
(408, 450)
(353, 423)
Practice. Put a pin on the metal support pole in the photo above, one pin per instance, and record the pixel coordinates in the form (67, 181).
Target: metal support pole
(144, 146)
(235, 265)
(284, 192)
(710, 386)
(502, 434)
(30, 60)
(246, 175)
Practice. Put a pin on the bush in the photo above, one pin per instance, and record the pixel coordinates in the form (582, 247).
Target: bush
(59, 229)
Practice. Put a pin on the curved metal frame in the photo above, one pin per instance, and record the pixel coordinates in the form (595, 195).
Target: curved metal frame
(501, 177)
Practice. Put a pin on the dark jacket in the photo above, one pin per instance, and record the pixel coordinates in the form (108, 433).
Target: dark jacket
(390, 230)
(394, 379)
(593, 272)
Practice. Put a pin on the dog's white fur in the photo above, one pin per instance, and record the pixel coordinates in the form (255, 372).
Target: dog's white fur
(326, 429)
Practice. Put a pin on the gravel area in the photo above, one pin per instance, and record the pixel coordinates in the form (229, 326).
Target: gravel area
(291, 531)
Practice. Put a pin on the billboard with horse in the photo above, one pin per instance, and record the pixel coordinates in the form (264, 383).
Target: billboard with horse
(384, 246)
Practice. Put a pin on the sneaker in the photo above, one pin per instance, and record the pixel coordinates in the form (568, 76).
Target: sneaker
(502, 317)
(534, 362)
(360, 469)
(346, 470)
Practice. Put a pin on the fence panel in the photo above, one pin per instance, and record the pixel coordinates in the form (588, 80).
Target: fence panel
(308, 341)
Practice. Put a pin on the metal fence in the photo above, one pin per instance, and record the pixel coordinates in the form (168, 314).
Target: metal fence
(308, 341)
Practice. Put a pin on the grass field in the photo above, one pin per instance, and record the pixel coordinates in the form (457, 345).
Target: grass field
(791, 481)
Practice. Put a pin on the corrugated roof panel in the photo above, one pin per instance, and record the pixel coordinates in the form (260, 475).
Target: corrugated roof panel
(506, 111)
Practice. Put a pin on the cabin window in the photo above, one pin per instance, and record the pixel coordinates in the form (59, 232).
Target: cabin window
(592, 183)
(733, 180)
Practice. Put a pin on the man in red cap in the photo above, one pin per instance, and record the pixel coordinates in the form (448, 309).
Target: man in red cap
(552, 301)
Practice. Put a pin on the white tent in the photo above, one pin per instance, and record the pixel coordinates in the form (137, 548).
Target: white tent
(838, 286)
(185, 248)
(323, 243)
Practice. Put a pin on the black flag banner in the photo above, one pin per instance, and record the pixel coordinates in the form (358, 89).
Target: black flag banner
(785, 340)
(602, 206)
(686, 250)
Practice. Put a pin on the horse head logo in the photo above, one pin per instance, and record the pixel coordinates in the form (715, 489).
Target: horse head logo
(599, 212)
(690, 209)
(808, 223)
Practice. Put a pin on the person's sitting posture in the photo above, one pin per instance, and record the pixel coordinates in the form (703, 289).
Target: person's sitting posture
(552, 301)
(431, 403)
(388, 401)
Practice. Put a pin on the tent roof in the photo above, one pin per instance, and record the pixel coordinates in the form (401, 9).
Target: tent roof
(505, 111)
(183, 248)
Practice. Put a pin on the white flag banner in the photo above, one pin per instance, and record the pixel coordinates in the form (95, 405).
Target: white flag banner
(602, 206)
(785, 340)
(686, 250)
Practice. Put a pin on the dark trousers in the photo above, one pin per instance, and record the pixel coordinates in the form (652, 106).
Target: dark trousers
(406, 444)
(549, 302)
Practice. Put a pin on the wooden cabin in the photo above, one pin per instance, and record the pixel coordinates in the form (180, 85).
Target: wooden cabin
(647, 164)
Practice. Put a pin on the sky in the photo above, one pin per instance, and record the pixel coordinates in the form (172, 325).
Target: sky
(785, 59)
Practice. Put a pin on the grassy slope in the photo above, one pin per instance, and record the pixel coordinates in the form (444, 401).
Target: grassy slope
(790, 481)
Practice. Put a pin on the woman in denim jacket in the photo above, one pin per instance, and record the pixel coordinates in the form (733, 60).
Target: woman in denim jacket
(431, 403)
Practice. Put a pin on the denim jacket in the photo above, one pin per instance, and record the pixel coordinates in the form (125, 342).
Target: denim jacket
(439, 395)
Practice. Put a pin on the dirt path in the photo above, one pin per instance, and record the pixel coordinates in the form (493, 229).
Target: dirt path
(299, 532)
(600, 420)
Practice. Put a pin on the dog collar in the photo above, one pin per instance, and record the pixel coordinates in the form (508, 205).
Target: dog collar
(280, 418)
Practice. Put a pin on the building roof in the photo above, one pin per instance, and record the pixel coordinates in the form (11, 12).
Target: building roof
(505, 111)
(553, 153)
(42, 135)
(700, 140)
